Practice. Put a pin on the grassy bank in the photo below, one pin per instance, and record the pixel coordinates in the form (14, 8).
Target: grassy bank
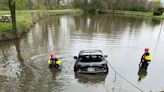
(26, 19)
(137, 13)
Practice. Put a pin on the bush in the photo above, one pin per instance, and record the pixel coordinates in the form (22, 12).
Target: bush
(160, 9)
(158, 12)
(95, 6)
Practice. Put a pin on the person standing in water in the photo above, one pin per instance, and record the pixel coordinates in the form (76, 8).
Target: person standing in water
(54, 61)
(145, 59)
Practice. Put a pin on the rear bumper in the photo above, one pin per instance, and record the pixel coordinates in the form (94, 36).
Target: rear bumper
(92, 72)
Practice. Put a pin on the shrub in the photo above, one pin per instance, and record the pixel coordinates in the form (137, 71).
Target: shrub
(158, 12)
(160, 9)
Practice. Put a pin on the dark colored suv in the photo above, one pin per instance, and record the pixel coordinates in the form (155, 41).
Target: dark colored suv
(91, 61)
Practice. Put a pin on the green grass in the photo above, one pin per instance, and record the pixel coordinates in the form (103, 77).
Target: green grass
(5, 26)
(4, 12)
(21, 17)
(137, 13)
(25, 19)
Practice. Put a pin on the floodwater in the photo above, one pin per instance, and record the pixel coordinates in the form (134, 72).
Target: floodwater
(23, 62)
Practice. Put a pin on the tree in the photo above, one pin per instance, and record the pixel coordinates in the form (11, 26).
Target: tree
(13, 15)
(156, 4)
(83, 4)
(110, 4)
(4, 5)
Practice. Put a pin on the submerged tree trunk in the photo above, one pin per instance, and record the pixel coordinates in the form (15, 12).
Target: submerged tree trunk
(13, 15)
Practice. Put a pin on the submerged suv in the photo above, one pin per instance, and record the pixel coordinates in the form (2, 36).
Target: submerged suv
(91, 61)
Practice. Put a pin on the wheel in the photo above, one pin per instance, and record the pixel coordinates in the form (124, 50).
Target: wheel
(75, 69)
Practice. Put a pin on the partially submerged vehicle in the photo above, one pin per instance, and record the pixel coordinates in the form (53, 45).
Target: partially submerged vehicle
(91, 62)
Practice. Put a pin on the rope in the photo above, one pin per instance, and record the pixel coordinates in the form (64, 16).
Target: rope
(125, 78)
(159, 35)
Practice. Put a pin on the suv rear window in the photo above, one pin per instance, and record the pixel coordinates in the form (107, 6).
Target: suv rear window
(90, 58)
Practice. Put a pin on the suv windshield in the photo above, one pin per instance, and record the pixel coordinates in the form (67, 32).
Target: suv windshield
(90, 58)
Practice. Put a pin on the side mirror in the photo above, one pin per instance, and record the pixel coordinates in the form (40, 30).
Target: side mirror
(105, 56)
(75, 57)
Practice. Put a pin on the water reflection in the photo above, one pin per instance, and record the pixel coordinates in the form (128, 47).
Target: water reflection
(90, 78)
(142, 73)
(55, 72)
(155, 22)
(24, 62)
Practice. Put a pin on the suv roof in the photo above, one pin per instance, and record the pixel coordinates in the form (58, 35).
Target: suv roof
(90, 52)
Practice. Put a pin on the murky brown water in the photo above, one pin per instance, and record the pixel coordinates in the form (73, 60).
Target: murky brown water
(23, 63)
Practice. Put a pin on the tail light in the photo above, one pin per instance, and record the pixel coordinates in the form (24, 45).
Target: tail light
(104, 66)
(78, 65)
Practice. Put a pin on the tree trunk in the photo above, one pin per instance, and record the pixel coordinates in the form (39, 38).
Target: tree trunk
(140, 3)
(13, 15)
(58, 3)
(30, 4)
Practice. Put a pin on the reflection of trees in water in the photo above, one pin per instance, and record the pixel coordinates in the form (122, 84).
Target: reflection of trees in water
(87, 27)
(5, 51)
(8, 59)
(154, 22)
(111, 25)
(4, 55)
(15, 70)
(25, 76)
(49, 24)
(90, 79)
(4, 58)
(53, 27)
(55, 72)
(34, 75)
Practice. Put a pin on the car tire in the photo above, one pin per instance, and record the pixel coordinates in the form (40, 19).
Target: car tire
(75, 69)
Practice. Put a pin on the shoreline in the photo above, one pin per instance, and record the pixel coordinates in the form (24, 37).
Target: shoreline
(139, 14)
(26, 20)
